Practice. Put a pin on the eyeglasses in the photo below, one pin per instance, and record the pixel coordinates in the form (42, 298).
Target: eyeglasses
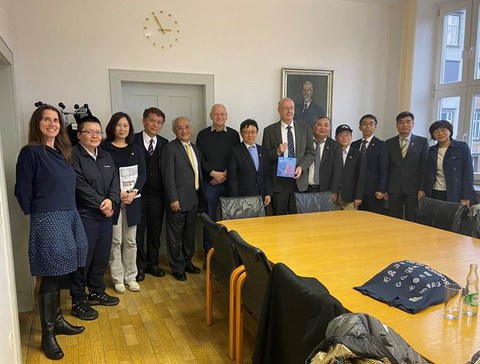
(249, 132)
(92, 132)
(181, 128)
(286, 108)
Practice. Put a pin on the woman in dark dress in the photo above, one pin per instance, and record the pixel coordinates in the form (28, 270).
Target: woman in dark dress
(127, 156)
(45, 190)
(449, 174)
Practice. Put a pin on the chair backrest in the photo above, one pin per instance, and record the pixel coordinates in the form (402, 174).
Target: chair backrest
(257, 269)
(241, 207)
(225, 258)
(440, 214)
(313, 201)
(470, 225)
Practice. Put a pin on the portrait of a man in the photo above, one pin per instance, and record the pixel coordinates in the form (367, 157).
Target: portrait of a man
(312, 92)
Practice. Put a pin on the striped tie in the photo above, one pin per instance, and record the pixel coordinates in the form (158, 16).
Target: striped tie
(190, 157)
(150, 147)
(403, 147)
(291, 148)
(363, 147)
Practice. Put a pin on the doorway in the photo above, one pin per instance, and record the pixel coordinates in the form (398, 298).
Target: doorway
(176, 94)
(16, 279)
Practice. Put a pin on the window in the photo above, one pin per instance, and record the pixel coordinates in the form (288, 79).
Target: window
(453, 29)
(457, 89)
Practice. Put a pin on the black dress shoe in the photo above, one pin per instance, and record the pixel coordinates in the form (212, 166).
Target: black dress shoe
(140, 275)
(192, 269)
(155, 271)
(180, 276)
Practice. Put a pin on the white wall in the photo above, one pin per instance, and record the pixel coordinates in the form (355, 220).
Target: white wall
(67, 48)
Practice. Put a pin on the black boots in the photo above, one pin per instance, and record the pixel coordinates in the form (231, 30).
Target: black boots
(48, 315)
(62, 327)
(53, 323)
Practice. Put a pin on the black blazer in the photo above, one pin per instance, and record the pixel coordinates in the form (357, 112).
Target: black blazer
(161, 142)
(136, 157)
(330, 167)
(353, 176)
(376, 160)
(407, 175)
(243, 179)
(179, 176)
(272, 138)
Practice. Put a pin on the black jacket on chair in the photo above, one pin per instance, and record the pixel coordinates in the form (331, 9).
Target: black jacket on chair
(295, 315)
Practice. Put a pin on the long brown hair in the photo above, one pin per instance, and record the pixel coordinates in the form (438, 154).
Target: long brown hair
(35, 136)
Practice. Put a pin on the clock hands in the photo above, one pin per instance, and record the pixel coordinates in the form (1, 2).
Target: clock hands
(162, 29)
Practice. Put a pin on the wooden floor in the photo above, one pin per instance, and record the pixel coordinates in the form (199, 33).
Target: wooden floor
(163, 323)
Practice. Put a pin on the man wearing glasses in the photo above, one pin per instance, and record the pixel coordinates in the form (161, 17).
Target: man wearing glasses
(181, 168)
(249, 166)
(97, 195)
(293, 139)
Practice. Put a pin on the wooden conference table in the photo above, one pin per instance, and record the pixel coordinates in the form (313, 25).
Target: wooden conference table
(343, 249)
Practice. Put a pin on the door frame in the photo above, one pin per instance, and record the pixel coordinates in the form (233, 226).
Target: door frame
(10, 330)
(118, 76)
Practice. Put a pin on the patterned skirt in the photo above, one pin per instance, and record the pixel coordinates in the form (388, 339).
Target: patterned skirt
(58, 244)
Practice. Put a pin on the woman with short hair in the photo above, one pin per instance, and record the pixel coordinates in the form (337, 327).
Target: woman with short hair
(449, 174)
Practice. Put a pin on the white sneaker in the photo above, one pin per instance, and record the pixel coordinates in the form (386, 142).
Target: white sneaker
(120, 288)
(133, 286)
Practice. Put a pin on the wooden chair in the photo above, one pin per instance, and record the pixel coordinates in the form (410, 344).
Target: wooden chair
(241, 207)
(313, 202)
(222, 265)
(440, 214)
(251, 285)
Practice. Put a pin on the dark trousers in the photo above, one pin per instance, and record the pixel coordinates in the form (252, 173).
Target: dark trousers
(99, 236)
(181, 238)
(283, 202)
(212, 194)
(439, 195)
(372, 204)
(153, 209)
(401, 203)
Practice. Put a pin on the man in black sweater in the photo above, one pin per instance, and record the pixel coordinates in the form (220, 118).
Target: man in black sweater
(215, 143)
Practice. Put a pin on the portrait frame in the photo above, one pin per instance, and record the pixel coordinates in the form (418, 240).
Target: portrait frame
(293, 80)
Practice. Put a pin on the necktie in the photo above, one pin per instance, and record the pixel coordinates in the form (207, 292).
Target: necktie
(345, 153)
(403, 147)
(305, 107)
(254, 155)
(150, 147)
(316, 165)
(363, 147)
(291, 148)
(190, 157)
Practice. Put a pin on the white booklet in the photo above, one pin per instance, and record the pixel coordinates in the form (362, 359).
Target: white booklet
(128, 178)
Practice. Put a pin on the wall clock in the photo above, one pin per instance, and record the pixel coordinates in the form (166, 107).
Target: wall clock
(161, 29)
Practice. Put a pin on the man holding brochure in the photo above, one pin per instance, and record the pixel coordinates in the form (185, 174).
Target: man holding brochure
(290, 147)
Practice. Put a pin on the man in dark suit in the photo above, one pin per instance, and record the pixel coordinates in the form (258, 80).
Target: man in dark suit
(325, 172)
(181, 171)
(407, 158)
(308, 110)
(293, 139)
(353, 171)
(153, 195)
(249, 167)
(376, 158)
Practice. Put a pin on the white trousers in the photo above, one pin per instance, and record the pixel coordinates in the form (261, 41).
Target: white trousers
(123, 256)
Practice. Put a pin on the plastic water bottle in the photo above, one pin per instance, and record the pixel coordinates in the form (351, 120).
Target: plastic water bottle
(470, 299)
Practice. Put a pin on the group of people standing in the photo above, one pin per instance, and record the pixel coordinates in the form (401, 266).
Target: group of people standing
(102, 202)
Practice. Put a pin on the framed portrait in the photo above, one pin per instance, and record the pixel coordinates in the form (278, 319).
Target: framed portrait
(311, 90)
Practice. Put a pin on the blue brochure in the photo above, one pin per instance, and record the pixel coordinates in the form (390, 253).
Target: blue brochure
(286, 167)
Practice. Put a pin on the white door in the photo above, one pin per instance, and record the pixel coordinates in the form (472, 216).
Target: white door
(173, 100)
